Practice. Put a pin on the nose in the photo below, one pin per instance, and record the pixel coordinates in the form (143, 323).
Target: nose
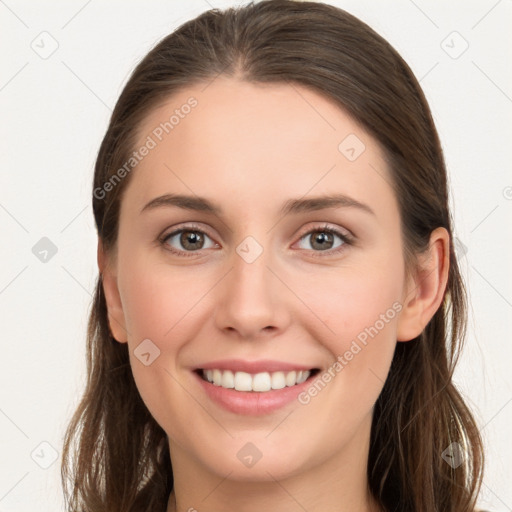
(252, 300)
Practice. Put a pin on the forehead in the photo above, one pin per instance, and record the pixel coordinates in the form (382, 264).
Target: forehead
(250, 140)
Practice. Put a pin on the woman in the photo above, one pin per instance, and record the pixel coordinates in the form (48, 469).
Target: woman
(279, 308)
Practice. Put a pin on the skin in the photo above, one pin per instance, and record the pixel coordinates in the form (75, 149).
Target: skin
(249, 148)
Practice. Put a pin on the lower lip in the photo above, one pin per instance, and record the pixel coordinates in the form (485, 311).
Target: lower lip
(253, 403)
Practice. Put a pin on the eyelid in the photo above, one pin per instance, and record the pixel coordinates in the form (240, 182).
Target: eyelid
(186, 226)
(329, 228)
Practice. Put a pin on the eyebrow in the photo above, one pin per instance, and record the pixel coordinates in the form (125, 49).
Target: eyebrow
(291, 206)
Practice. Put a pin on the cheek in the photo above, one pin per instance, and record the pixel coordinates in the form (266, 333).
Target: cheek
(159, 306)
(157, 299)
(359, 311)
(350, 301)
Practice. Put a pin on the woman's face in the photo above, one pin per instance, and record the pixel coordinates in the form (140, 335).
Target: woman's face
(259, 279)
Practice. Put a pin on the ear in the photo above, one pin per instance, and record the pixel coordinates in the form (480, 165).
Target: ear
(116, 318)
(425, 290)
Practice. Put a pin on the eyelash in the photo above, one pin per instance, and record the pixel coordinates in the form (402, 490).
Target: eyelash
(347, 240)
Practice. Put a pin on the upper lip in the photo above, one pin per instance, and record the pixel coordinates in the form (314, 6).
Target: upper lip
(263, 365)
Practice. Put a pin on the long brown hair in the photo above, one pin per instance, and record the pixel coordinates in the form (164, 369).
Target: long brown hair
(115, 455)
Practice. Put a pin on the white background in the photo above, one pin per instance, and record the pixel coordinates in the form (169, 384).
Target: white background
(54, 113)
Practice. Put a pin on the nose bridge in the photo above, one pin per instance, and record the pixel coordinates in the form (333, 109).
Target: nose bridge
(251, 300)
(251, 279)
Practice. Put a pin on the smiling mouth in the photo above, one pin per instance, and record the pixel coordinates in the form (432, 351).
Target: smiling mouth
(259, 382)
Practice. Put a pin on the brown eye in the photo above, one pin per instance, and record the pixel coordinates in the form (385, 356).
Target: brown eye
(324, 239)
(187, 240)
(191, 240)
(321, 240)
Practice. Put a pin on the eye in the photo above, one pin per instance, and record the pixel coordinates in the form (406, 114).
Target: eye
(192, 239)
(323, 239)
(188, 239)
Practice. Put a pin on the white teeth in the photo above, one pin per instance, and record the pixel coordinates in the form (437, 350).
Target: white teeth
(260, 382)
(278, 380)
(228, 379)
(302, 377)
(217, 377)
(291, 378)
(243, 381)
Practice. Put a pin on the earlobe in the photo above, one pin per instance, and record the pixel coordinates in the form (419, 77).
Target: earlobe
(425, 293)
(116, 318)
